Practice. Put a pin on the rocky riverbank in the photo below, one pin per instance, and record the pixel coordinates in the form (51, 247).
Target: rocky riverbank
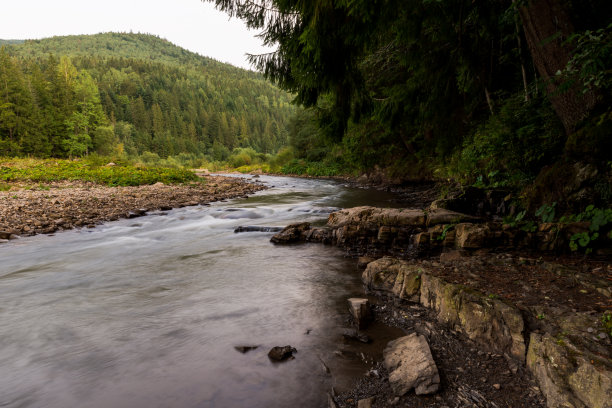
(46, 209)
(505, 328)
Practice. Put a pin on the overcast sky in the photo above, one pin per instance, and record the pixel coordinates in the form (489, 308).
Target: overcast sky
(191, 24)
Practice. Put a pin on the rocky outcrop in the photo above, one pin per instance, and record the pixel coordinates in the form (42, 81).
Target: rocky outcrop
(568, 376)
(411, 365)
(393, 277)
(490, 322)
(406, 233)
(568, 357)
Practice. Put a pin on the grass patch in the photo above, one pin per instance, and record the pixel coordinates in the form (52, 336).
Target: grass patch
(46, 171)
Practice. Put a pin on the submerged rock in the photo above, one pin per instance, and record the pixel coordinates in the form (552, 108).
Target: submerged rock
(245, 349)
(411, 365)
(257, 228)
(283, 353)
(354, 334)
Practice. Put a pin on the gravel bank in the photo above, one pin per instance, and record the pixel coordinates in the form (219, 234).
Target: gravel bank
(66, 205)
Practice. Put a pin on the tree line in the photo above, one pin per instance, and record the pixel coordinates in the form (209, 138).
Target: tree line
(134, 93)
(492, 89)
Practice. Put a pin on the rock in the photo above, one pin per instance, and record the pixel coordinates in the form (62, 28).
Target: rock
(279, 353)
(452, 256)
(411, 365)
(443, 216)
(111, 164)
(245, 349)
(490, 322)
(377, 217)
(257, 228)
(393, 276)
(567, 375)
(291, 233)
(330, 401)
(471, 236)
(363, 261)
(360, 310)
(497, 386)
(365, 403)
(355, 334)
(7, 235)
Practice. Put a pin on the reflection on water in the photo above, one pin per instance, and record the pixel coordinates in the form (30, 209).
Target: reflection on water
(147, 313)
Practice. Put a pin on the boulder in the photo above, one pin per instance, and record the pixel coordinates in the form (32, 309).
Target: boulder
(393, 276)
(360, 310)
(291, 233)
(411, 365)
(283, 353)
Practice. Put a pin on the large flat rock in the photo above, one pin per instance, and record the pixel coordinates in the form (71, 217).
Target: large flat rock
(411, 365)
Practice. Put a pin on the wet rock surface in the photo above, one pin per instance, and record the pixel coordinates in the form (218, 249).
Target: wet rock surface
(281, 353)
(66, 205)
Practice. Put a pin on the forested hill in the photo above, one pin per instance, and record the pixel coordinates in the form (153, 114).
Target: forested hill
(137, 93)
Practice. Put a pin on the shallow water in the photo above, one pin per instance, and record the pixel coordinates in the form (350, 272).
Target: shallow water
(146, 312)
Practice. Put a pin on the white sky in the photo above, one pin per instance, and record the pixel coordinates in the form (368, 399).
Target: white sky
(191, 24)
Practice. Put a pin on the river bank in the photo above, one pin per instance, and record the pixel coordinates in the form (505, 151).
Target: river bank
(64, 205)
(479, 291)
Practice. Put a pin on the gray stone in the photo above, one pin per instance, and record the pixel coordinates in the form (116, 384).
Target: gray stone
(411, 365)
(360, 310)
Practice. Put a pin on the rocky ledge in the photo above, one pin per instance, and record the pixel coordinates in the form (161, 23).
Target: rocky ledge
(407, 233)
(542, 315)
(66, 205)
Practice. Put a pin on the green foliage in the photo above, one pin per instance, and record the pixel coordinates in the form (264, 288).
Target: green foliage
(606, 322)
(84, 170)
(592, 59)
(510, 148)
(598, 219)
(546, 212)
(315, 169)
(153, 96)
(519, 221)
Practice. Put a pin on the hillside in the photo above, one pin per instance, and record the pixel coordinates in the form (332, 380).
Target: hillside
(113, 92)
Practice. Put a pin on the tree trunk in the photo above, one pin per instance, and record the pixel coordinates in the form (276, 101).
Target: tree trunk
(547, 26)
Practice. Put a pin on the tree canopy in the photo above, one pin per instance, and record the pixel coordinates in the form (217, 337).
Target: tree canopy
(113, 92)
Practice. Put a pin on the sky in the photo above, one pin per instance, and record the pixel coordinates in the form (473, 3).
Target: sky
(191, 24)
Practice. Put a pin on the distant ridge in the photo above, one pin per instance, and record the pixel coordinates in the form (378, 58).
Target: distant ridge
(145, 95)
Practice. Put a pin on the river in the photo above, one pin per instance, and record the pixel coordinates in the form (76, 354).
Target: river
(147, 312)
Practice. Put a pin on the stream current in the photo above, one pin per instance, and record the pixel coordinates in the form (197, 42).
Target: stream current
(147, 312)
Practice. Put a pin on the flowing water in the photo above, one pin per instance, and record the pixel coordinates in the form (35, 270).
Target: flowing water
(146, 312)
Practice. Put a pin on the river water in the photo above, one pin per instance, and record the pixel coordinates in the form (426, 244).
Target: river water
(146, 312)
